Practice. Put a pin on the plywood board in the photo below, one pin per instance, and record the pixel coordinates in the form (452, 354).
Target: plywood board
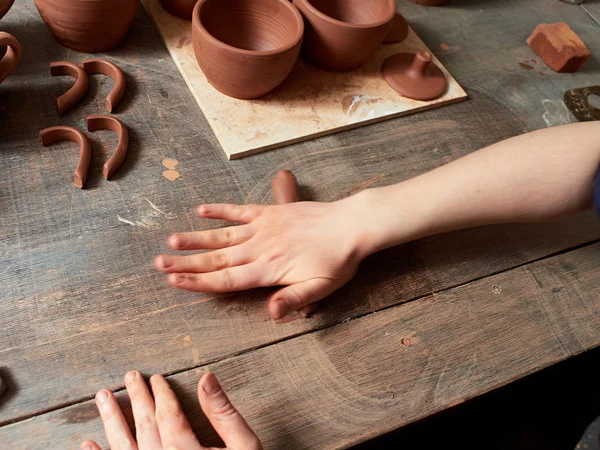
(310, 103)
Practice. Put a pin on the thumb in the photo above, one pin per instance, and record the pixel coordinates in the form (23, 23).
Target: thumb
(299, 295)
(222, 415)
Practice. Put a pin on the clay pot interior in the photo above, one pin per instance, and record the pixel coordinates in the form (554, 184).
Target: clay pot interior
(356, 12)
(244, 24)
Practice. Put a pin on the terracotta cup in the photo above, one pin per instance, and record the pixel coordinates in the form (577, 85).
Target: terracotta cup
(246, 48)
(11, 57)
(88, 25)
(179, 8)
(5, 6)
(343, 34)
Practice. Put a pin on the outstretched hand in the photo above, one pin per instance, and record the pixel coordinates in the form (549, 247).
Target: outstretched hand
(310, 248)
(160, 422)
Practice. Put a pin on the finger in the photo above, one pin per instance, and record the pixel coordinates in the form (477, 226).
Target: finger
(212, 239)
(223, 416)
(89, 445)
(204, 262)
(175, 430)
(297, 296)
(308, 310)
(233, 213)
(142, 405)
(115, 426)
(233, 279)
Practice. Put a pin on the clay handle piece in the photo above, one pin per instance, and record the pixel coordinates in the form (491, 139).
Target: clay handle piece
(421, 63)
(70, 98)
(61, 133)
(285, 188)
(93, 66)
(101, 122)
(11, 57)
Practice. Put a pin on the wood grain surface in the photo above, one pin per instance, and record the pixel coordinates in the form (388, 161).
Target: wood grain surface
(81, 304)
(310, 103)
(340, 386)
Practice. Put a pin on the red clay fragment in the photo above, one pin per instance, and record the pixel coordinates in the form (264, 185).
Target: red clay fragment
(559, 47)
(101, 122)
(285, 188)
(61, 133)
(77, 91)
(93, 66)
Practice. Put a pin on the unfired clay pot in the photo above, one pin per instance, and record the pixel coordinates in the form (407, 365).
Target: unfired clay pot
(343, 34)
(246, 48)
(179, 8)
(5, 6)
(12, 56)
(88, 25)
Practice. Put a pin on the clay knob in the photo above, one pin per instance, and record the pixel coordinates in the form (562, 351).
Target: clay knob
(415, 76)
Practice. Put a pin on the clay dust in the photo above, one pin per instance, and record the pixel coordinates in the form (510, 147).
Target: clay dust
(170, 164)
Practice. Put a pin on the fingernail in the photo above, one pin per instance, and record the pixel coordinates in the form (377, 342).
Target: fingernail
(130, 377)
(166, 261)
(202, 210)
(177, 241)
(102, 396)
(177, 278)
(211, 385)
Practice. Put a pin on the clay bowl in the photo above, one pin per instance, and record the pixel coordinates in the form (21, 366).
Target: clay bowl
(11, 58)
(246, 48)
(88, 25)
(5, 6)
(343, 34)
(179, 8)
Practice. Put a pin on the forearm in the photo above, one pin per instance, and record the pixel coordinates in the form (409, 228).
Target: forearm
(538, 176)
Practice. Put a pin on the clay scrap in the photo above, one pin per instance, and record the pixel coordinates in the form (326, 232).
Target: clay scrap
(101, 122)
(94, 66)
(415, 76)
(51, 135)
(12, 56)
(285, 188)
(70, 98)
(559, 47)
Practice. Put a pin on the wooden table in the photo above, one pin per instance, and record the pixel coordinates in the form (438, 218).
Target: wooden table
(421, 328)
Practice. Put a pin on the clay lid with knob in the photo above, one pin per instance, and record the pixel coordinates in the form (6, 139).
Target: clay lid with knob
(414, 76)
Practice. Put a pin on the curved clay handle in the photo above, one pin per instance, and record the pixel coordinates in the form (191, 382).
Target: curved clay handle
(12, 56)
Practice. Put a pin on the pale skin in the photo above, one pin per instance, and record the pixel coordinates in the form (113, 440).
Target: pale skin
(312, 249)
(160, 423)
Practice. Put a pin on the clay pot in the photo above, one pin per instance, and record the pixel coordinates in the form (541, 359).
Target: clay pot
(343, 34)
(88, 25)
(5, 6)
(12, 56)
(430, 2)
(179, 8)
(246, 48)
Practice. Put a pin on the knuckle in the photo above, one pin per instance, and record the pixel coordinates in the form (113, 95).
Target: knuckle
(228, 237)
(230, 280)
(220, 260)
(145, 422)
(169, 413)
(124, 444)
(224, 409)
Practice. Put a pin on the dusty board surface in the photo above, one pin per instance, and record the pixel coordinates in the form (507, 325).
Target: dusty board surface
(337, 387)
(78, 291)
(310, 103)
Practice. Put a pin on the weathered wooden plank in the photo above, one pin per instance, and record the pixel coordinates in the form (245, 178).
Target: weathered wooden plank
(339, 386)
(593, 9)
(81, 303)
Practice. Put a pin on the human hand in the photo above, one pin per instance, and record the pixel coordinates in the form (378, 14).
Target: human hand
(311, 248)
(160, 422)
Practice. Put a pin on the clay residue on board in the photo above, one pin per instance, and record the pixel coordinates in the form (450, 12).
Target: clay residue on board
(359, 106)
(170, 164)
(145, 214)
(556, 113)
(449, 48)
(531, 64)
(81, 413)
(183, 42)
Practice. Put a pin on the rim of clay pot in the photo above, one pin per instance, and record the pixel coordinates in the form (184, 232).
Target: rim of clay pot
(300, 21)
(361, 26)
